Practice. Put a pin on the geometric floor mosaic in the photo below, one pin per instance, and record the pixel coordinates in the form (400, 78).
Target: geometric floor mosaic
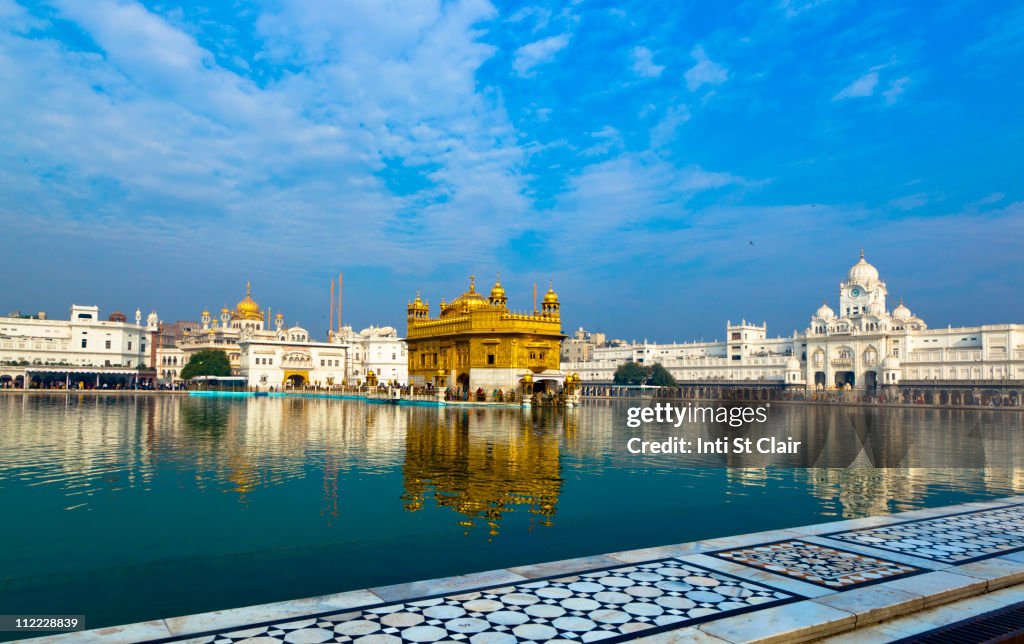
(953, 539)
(817, 564)
(611, 604)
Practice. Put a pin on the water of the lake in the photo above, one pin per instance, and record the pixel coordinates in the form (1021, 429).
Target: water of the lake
(133, 508)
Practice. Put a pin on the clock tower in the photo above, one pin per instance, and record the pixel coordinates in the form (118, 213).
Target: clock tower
(862, 293)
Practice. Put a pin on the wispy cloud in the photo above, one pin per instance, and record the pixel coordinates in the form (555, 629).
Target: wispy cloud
(607, 138)
(666, 129)
(896, 89)
(643, 63)
(538, 52)
(863, 86)
(705, 71)
(910, 202)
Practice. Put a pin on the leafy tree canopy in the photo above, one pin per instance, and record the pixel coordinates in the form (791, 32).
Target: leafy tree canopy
(661, 377)
(633, 373)
(630, 373)
(208, 362)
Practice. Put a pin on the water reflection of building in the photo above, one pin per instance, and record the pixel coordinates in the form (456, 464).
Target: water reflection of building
(483, 464)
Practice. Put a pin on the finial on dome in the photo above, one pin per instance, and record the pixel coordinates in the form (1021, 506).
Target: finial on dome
(248, 288)
(472, 283)
(862, 253)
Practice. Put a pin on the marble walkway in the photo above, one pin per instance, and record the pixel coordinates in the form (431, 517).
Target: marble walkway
(873, 579)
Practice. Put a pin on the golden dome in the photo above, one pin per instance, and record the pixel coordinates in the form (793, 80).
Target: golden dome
(551, 297)
(248, 309)
(225, 310)
(418, 304)
(468, 301)
(497, 291)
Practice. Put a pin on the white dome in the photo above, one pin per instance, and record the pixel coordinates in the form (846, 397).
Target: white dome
(862, 272)
(876, 308)
(825, 313)
(792, 364)
(901, 312)
(891, 363)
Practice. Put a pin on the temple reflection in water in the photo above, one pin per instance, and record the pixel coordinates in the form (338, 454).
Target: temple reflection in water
(484, 470)
(483, 466)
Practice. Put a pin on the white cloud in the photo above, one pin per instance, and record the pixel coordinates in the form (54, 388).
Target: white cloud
(666, 129)
(910, 202)
(152, 141)
(643, 63)
(863, 86)
(896, 89)
(705, 71)
(536, 53)
(538, 16)
(608, 139)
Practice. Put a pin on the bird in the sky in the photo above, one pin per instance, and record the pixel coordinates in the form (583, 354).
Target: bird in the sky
(752, 243)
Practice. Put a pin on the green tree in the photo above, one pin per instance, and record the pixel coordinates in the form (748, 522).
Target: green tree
(661, 377)
(208, 362)
(630, 373)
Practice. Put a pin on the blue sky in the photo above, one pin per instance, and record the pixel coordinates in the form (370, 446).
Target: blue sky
(160, 154)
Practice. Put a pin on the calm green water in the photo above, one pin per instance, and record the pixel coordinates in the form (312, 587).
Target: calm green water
(126, 509)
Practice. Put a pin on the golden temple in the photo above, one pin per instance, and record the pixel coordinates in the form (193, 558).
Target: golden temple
(477, 342)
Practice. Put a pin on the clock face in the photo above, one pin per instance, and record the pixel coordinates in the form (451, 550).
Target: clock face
(854, 292)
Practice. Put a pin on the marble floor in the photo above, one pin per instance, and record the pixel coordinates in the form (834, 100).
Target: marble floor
(785, 585)
(818, 564)
(612, 604)
(953, 539)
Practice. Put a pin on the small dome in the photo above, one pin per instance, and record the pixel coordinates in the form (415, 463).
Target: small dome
(825, 312)
(891, 363)
(792, 364)
(418, 304)
(551, 297)
(901, 312)
(206, 313)
(876, 308)
(497, 291)
(862, 272)
(248, 309)
(225, 310)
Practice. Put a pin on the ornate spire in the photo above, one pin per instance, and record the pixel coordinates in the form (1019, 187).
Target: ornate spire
(862, 253)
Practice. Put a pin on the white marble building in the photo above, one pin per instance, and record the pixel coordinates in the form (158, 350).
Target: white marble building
(378, 349)
(863, 345)
(42, 349)
(277, 355)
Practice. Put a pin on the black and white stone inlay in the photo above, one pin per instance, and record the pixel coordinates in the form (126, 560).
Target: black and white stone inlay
(611, 604)
(953, 539)
(817, 564)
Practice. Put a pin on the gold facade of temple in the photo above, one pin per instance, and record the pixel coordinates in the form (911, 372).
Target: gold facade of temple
(478, 342)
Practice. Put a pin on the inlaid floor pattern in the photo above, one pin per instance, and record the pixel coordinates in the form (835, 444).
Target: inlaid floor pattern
(953, 539)
(817, 564)
(612, 604)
